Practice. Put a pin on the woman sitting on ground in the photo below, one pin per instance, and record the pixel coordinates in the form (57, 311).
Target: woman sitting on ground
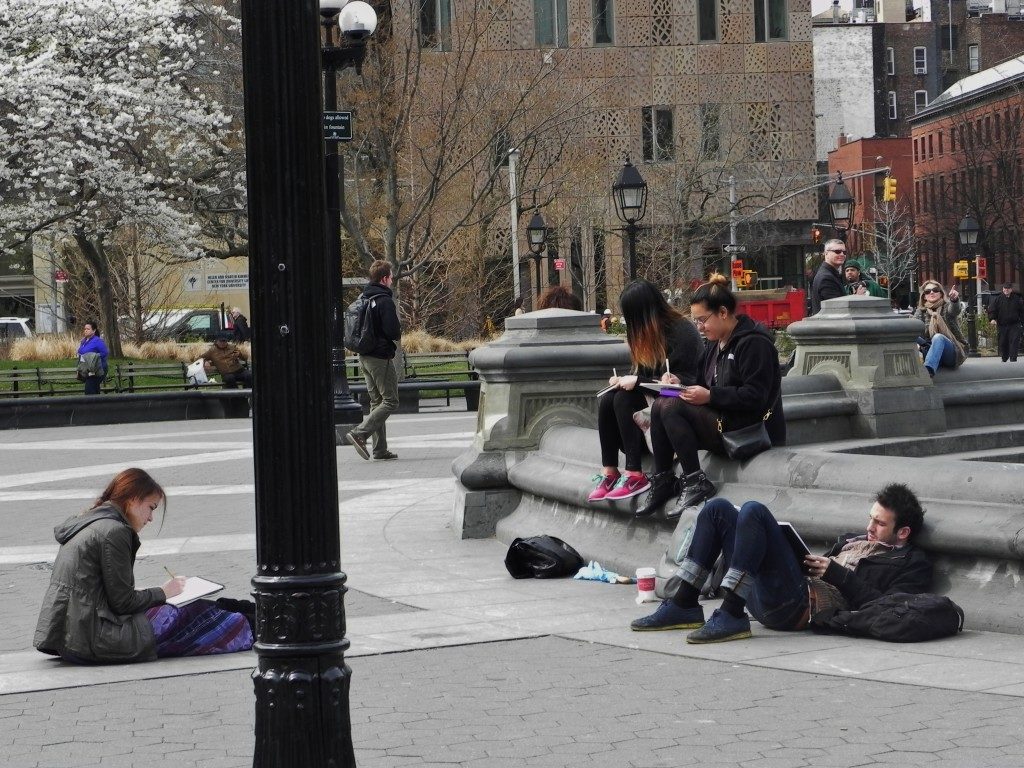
(654, 332)
(738, 382)
(942, 344)
(92, 612)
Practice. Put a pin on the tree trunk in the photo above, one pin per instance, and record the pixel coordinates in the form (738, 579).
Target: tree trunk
(96, 258)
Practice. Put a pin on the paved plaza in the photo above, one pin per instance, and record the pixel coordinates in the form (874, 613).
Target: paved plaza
(454, 663)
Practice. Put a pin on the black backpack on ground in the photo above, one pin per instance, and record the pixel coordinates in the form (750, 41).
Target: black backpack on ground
(542, 557)
(896, 618)
(360, 335)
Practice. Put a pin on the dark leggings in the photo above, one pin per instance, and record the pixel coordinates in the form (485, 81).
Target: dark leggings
(682, 428)
(617, 430)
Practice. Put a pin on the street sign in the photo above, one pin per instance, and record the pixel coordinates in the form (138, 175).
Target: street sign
(228, 281)
(961, 269)
(981, 267)
(60, 276)
(337, 126)
(735, 249)
(737, 269)
(559, 265)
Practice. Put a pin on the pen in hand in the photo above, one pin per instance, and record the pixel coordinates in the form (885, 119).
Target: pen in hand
(169, 572)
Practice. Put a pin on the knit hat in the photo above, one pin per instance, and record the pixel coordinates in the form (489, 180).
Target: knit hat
(852, 264)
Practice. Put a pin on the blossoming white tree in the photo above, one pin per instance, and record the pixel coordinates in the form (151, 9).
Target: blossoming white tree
(105, 124)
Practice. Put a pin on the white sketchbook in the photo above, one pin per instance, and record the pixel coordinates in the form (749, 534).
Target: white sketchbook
(195, 588)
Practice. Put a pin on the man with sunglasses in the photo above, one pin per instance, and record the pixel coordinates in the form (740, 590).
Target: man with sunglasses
(829, 282)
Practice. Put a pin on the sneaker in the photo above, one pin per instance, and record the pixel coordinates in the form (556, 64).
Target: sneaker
(669, 616)
(359, 444)
(629, 486)
(386, 456)
(604, 485)
(663, 487)
(720, 628)
(696, 488)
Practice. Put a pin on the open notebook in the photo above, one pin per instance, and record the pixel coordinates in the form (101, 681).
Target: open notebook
(195, 588)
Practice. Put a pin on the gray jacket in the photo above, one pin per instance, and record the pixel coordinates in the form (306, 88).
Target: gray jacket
(92, 610)
(950, 313)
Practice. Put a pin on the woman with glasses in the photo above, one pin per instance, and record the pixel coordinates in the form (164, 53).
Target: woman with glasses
(942, 344)
(656, 334)
(738, 382)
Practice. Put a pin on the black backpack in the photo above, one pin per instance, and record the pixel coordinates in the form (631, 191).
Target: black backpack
(360, 335)
(542, 557)
(896, 618)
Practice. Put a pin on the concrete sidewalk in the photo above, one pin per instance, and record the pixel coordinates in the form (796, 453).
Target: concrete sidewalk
(455, 663)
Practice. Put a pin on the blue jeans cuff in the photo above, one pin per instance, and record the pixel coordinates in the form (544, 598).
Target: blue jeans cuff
(740, 583)
(693, 573)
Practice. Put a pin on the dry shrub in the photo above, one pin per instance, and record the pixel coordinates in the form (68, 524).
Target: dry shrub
(64, 346)
(421, 341)
(50, 346)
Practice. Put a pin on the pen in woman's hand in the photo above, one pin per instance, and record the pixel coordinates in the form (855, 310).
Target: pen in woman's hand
(169, 572)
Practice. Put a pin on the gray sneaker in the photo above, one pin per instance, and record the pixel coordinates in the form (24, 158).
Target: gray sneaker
(359, 444)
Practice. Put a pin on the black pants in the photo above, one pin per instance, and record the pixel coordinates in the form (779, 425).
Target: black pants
(617, 430)
(683, 429)
(240, 378)
(1009, 342)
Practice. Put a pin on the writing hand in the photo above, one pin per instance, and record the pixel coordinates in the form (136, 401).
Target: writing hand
(627, 382)
(669, 378)
(174, 586)
(816, 565)
(613, 380)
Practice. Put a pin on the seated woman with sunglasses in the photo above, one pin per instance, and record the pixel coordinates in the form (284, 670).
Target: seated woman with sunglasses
(942, 344)
(656, 334)
(738, 382)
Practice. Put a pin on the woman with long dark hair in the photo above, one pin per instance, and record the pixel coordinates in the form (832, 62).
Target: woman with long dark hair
(656, 334)
(738, 383)
(92, 612)
(942, 344)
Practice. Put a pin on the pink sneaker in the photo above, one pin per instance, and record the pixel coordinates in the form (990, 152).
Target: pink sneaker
(604, 484)
(629, 486)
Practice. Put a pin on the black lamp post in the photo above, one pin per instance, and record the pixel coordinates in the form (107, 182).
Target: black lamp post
(536, 237)
(840, 205)
(630, 195)
(968, 232)
(335, 56)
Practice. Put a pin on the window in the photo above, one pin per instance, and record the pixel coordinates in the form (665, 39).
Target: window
(974, 57)
(551, 23)
(707, 20)
(920, 60)
(890, 61)
(892, 105)
(940, 142)
(604, 22)
(916, 156)
(436, 24)
(931, 147)
(949, 38)
(710, 131)
(920, 102)
(770, 20)
(657, 134)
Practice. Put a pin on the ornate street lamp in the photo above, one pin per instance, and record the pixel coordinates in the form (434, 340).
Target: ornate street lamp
(968, 233)
(355, 20)
(630, 195)
(840, 205)
(536, 237)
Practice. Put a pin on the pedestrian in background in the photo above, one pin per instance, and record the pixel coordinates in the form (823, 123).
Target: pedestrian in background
(559, 297)
(229, 361)
(518, 308)
(240, 326)
(606, 321)
(1006, 312)
(378, 365)
(92, 358)
(829, 282)
(92, 612)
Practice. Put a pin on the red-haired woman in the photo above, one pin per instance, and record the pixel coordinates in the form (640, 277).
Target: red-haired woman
(656, 333)
(92, 612)
(738, 382)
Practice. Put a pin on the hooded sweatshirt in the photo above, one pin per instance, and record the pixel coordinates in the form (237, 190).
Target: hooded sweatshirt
(92, 611)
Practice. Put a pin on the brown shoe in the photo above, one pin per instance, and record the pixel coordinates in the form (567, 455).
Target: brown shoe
(359, 444)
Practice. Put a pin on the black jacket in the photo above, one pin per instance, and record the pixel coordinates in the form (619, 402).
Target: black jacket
(748, 380)
(683, 349)
(385, 321)
(240, 329)
(906, 569)
(828, 284)
(1007, 310)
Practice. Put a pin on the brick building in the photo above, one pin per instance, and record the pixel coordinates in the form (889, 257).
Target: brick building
(968, 158)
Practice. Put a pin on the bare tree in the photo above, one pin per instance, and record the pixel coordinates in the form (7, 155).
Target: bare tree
(896, 245)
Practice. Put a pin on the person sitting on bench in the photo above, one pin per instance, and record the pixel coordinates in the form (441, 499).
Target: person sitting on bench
(229, 361)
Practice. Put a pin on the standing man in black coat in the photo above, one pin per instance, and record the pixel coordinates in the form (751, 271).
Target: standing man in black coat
(378, 366)
(239, 326)
(829, 282)
(1006, 312)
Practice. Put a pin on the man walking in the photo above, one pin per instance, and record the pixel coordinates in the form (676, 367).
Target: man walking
(378, 365)
(765, 575)
(829, 282)
(1006, 312)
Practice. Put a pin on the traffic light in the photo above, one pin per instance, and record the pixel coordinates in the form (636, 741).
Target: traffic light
(815, 235)
(737, 269)
(981, 267)
(889, 189)
(961, 269)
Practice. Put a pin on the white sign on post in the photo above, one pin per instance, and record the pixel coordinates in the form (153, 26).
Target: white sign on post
(193, 281)
(228, 281)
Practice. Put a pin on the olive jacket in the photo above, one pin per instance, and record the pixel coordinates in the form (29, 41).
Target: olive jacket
(92, 611)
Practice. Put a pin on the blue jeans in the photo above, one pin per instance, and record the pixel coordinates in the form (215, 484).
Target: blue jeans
(942, 353)
(763, 569)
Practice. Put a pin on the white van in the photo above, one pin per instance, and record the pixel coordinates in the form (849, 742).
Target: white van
(12, 328)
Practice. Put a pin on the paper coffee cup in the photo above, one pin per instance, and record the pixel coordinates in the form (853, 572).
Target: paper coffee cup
(645, 585)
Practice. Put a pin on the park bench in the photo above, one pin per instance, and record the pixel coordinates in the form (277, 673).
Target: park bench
(38, 382)
(426, 375)
(169, 375)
